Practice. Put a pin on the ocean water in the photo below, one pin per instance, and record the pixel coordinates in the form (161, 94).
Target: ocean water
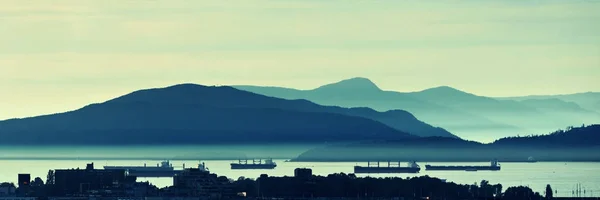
(563, 177)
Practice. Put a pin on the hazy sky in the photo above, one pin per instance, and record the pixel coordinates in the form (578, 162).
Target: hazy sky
(62, 54)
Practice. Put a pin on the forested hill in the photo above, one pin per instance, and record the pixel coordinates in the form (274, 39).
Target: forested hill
(572, 136)
(197, 114)
(572, 144)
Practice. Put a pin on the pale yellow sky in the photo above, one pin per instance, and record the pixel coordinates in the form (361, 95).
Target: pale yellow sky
(62, 54)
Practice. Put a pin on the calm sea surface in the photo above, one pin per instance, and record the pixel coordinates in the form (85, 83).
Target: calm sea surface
(562, 176)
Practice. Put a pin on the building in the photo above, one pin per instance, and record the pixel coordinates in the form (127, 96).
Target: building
(198, 182)
(18, 198)
(24, 185)
(174, 198)
(303, 184)
(24, 180)
(7, 190)
(303, 173)
(141, 189)
(90, 181)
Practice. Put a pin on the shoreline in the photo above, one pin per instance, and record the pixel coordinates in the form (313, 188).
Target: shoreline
(285, 160)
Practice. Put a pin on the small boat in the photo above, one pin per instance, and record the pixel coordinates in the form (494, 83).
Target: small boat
(531, 159)
(375, 168)
(202, 167)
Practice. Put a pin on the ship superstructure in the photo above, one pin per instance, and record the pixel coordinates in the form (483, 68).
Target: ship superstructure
(163, 166)
(256, 164)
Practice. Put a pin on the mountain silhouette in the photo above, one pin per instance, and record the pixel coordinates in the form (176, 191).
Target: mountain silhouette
(446, 90)
(588, 100)
(573, 136)
(353, 85)
(554, 104)
(454, 120)
(194, 114)
(227, 96)
(464, 114)
(444, 95)
(573, 144)
(533, 117)
(343, 91)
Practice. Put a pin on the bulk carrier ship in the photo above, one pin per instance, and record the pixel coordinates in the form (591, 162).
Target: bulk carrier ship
(256, 164)
(494, 166)
(164, 169)
(375, 168)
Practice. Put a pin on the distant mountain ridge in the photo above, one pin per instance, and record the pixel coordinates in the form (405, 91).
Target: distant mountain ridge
(466, 115)
(351, 85)
(573, 144)
(587, 100)
(190, 113)
(448, 118)
(572, 136)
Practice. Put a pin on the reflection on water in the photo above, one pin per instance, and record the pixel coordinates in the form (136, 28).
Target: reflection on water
(562, 176)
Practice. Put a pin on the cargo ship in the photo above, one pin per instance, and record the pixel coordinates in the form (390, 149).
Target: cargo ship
(164, 169)
(494, 166)
(375, 168)
(256, 164)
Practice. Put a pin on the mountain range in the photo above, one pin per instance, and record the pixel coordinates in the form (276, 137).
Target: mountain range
(466, 115)
(194, 114)
(586, 100)
(190, 113)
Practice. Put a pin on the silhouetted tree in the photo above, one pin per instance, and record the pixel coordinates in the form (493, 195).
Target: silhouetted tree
(549, 193)
(38, 188)
(247, 185)
(484, 183)
(50, 177)
(572, 136)
(518, 193)
(349, 186)
(37, 182)
(7, 184)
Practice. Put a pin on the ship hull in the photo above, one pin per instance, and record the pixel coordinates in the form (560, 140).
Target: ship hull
(135, 168)
(154, 174)
(385, 170)
(151, 172)
(252, 166)
(462, 168)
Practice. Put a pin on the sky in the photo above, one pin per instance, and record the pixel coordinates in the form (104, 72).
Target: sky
(63, 54)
